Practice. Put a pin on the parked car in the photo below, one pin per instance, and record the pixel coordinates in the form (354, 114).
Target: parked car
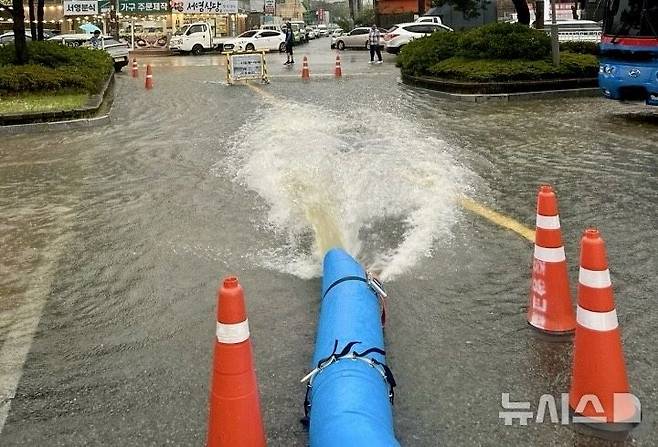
(323, 30)
(273, 27)
(400, 35)
(257, 40)
(334, 37)
(8, 37)
(118, 50)
(310, 33)
(429, 19)
(357, 38)
(299, 31)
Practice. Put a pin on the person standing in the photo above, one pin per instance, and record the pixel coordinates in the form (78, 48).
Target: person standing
(373, 38)
(290, 38)
(95, 40)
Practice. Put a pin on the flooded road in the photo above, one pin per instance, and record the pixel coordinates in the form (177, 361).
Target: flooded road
(115, 240)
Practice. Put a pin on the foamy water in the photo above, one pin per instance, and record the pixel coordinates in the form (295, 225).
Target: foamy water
(385, 193)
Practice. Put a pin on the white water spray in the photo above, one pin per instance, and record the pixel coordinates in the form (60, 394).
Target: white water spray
(374, 184)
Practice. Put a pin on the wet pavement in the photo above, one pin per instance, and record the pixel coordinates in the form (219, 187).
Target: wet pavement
(115, 239)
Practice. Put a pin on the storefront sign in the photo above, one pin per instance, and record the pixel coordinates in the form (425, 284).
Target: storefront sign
(80, 7)
(142, 7)
(270, 7)
(206, 6)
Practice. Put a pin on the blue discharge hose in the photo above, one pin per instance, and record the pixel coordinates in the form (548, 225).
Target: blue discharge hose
(349, 400)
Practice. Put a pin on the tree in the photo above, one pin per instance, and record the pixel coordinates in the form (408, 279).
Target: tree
(366, 17)
(40, 8)
(17, 14)
(471, 8)
(33, 23)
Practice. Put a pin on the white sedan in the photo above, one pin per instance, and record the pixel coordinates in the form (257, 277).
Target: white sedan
(357, 38)
(257, 40)
(402, 34)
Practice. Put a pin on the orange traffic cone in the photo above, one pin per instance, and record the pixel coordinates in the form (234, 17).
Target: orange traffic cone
(599, 395)
(149, 78)
(234, 418)
(549, 309)
(339, 72)
(305, 73)
(135, 69)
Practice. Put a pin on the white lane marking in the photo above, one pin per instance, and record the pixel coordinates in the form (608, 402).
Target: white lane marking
(550, 254)
(548, 222)
(597, 321)
(232, 333)
(22, 329)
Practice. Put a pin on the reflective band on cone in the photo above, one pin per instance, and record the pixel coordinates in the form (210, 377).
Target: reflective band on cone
(548, 222)
(596, 279)
(597, 321)
(232, 333)
(550, 254)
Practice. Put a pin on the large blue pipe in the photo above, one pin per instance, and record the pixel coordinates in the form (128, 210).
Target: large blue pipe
(349, 398)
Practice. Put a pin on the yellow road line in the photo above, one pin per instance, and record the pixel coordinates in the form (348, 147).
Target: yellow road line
(262, 92)
(497, 218)
(466, 202)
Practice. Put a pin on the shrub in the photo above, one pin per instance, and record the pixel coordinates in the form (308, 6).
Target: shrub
(497, 70)
(52, 66)
(420, 54)
(504, 41)
(580, 47)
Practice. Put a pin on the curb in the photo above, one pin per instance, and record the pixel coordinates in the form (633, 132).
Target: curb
(435, 85)
(76, 118)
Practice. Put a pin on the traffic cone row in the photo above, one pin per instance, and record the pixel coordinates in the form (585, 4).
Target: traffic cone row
(599, 395)
(306, 75)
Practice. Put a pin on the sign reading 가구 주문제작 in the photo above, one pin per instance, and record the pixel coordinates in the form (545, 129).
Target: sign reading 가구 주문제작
(142, 6)
(247, 66)
(80, 7)
(206, 6)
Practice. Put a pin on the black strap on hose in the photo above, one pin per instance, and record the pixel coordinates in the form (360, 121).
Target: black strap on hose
(388, 374)
(346, 278)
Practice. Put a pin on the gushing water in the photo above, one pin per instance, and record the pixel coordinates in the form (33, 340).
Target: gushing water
(377, 185)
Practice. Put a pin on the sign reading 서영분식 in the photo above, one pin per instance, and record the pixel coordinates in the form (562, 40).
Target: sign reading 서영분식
(80, 7)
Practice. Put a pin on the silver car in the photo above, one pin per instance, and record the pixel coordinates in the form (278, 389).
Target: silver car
(357, 38)
(118, 50)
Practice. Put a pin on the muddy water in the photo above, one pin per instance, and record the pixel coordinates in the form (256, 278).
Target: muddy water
(121, 234)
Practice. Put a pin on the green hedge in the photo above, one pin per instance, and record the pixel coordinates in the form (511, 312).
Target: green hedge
(504, 41)
(580, 47)
(53, 67)
(497, 70)
(495, 52)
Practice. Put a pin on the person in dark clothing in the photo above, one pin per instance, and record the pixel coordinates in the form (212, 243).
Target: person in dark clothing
(290, 38)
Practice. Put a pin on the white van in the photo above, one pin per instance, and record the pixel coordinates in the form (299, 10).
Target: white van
(430, 19)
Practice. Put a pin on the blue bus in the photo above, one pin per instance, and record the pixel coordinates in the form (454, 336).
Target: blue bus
(629, 51)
